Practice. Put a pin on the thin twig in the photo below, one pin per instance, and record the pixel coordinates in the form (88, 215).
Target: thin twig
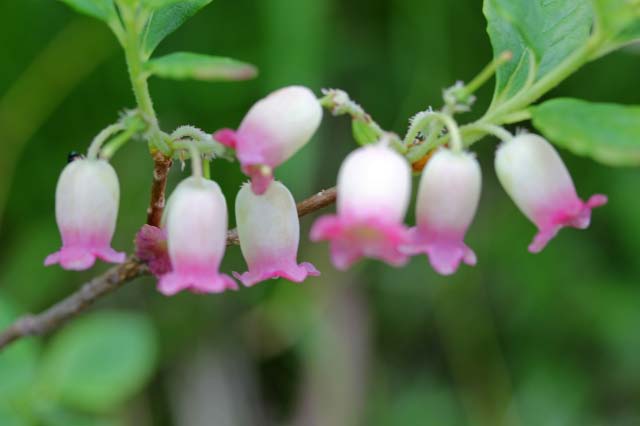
(162, 166)
(89, 293)
(114, 278)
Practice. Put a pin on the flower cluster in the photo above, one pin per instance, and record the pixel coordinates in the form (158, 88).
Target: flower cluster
(373, 195)
(186, 252)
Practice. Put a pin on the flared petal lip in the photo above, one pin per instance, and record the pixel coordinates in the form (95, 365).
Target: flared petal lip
(175, 282)
(445, 251)
(81, 258)
(293, 272)
(573, 217)
(352, 238)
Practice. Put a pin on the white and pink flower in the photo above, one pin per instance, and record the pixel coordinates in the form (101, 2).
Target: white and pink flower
(269, 232)
(448, 198)
(374, 185)
(196, 225)
(534, 176)
(87, 197)
(274, 129)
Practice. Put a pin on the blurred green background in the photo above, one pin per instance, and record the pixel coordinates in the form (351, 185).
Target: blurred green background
(548, 339)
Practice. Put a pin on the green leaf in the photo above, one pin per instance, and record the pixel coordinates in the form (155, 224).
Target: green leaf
(185, 65)
(100, 9)
(157, 4)
(18, 362)
(618, 20)
(545, 31)
(100, 361)
(166, 20)
(363, 133)
(609, 133)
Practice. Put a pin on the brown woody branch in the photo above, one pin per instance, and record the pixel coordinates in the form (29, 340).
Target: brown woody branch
(162, 166)
(116, 277)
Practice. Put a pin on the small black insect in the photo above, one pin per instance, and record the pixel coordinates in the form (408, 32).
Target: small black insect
(74, 155)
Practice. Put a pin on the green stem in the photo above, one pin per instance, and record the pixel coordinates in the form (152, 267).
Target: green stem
(196, 161)
(546, 83)
(516, 117)
(205, 147)
(454, 131)
(510, 111)
(139, 78)
(418, 123)
(190, 132)
(484, 76)
(118, 142)
(206, 168)
(102, 137)
(498, 131)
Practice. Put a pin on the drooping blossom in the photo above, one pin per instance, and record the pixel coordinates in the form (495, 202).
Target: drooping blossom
(274, 129)
(447, 202)
(87, 197)
(534, 176)
(196, 226)
(269, 232)
(374, 185)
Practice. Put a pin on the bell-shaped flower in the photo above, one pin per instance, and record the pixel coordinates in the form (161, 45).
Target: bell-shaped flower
(534, 176)
(447, 202)
(196, 225)
(374, 185)
(274, 129)
(87, 197)
(269, 232)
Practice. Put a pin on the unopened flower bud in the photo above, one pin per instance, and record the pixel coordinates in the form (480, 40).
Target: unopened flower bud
(269, 232)
(196, 225)
(534, 176)
(274, 129)
(374, 185)
(87, 197)
(447, 202)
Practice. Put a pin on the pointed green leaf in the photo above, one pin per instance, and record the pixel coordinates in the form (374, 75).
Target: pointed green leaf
(618, 20)
(157, 4)
(100, 361)
(185, 65)
(510, 77)
(609, 133)
(100, 9)
(166, 20)
(543, 30)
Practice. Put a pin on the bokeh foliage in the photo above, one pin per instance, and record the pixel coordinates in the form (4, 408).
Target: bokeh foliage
(518, 340)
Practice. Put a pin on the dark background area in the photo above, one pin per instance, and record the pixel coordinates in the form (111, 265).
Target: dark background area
(521, 339)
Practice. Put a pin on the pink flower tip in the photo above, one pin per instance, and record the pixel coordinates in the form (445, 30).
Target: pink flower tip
(288, 270)
(574, 213)
(81, 258)
(196, 282)
(261, 177)
(351, 238)
(226, 137)
(445, 252)
(151, 248)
